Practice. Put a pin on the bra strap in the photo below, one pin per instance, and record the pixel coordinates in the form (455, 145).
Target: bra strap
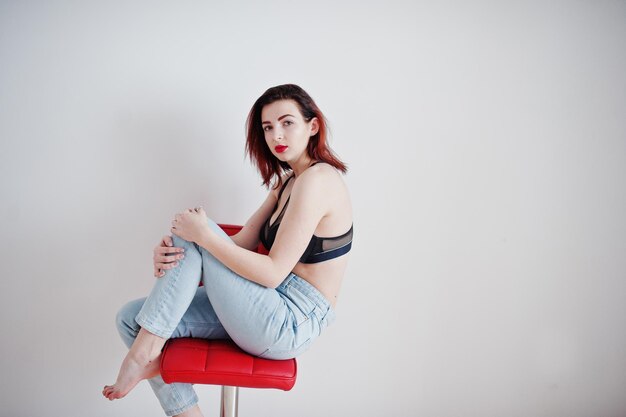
(280, 193)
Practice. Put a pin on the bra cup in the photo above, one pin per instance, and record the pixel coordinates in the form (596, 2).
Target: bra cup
(327, 247)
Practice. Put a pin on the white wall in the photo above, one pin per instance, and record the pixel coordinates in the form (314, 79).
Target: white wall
(487, 148)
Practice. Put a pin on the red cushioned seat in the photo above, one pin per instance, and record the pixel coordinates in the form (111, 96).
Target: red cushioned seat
(221, 362)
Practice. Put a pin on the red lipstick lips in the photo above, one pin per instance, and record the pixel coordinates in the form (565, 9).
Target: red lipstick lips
(280, 148)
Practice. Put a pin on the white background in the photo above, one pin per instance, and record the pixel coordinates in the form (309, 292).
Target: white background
(487, 150)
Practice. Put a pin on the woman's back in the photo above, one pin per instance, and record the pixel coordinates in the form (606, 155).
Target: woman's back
(326, 276)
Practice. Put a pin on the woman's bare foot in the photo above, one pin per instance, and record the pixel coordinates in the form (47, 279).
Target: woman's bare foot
(131, 372)
(141, 362)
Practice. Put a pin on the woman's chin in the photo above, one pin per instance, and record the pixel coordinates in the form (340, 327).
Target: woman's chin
(282, 157)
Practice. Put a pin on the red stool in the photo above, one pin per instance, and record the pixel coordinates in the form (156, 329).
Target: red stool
(221, 362)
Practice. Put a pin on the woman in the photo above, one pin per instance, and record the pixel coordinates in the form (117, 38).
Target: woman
(271, 305)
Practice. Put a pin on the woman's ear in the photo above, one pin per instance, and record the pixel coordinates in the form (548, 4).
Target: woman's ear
(315, 126)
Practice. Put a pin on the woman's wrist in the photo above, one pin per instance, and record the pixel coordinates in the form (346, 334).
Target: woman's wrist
(205, 237)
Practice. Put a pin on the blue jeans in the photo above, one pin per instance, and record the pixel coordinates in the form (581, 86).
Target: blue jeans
(272, 323)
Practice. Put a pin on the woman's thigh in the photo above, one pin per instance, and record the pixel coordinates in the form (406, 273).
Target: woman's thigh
(199, 320)
(252, 314)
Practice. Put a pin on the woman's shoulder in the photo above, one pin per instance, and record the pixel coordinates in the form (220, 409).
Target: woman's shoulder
(324, 184)
(322, 170)
(321, 176)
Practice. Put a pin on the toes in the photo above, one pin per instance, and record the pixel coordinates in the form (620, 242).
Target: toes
(111, 392)
(107, 391)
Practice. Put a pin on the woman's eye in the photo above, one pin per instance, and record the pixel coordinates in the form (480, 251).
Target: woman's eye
(268, 128)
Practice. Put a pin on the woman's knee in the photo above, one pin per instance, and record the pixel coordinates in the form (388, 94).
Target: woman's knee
(218, 230)
(179, 242)
(182, 243)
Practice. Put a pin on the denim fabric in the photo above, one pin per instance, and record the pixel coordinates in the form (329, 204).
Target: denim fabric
(276, 323)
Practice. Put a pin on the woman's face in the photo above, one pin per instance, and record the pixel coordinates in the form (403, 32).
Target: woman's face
(286, 132)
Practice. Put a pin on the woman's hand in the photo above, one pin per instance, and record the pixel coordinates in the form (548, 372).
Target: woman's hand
(166, 256)
(191, 225)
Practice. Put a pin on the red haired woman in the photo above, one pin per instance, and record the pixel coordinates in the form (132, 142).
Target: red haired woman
(271, 305)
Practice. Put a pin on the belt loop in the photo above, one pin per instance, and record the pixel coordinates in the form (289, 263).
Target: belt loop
(289, 280)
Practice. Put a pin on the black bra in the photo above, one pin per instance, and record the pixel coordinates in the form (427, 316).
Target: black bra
(319, 249)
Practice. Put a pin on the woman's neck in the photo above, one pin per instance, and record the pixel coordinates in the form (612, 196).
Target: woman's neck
(301, 165)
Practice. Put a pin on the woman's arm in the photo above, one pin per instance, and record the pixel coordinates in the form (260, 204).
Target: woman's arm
(307, 205)
(248, 236)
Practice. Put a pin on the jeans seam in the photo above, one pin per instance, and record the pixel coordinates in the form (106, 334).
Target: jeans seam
(171, 282)
(159, 308)
(179, 410)
(177, 394)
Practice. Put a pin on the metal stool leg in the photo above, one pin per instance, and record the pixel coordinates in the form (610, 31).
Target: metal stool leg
(230, 397)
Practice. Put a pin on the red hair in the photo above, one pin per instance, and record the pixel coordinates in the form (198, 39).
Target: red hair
(257, 149)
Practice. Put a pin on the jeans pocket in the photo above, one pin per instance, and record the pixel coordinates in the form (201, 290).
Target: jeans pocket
(300, 306)
(292, 341)
(300, 317)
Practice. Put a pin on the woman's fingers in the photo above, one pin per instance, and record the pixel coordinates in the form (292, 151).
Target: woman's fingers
(166, 260)
(166, 241)
(168, 249)
(165, 250)
(160, 268)
(166, 256)
(165, 267)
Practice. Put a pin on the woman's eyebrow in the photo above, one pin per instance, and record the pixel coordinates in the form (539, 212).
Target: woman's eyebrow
(280, 118)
